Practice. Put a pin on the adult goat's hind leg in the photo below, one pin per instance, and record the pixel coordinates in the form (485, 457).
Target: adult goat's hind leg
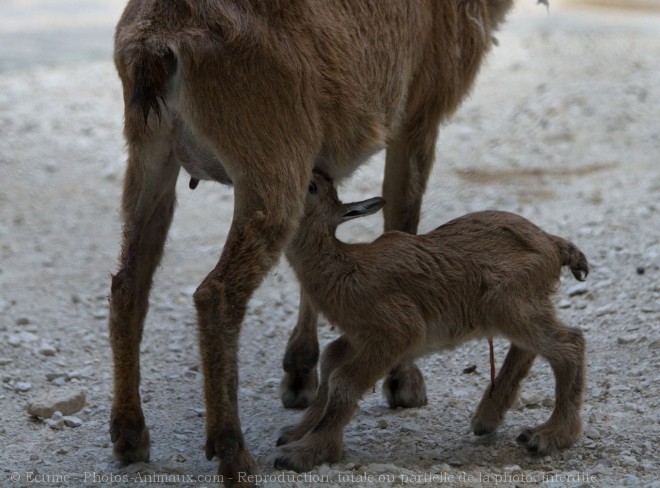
(264, 220)
(300, 379)
(407, 168)
(148, 205)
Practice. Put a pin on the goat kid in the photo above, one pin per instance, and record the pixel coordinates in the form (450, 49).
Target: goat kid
(402, 296)
(257, 93)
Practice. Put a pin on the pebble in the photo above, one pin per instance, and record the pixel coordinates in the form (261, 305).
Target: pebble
(410, 427)
(56, 422)
(565, 303)
(47, 349)
(65, 400)
(593, 434)
(655, 344)
(16, 340)
(54, 376)
(71, 421)
(627, 339)
(100, 314)
(382, 424)
(23, 386)
(22, 321)
(579, 289)
(180, 458)
(605, 310)
(629, 480)
(470, 369)
(531, 400)
(629, 460)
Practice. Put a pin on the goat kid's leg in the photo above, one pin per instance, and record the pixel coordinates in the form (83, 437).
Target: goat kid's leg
(300, 379)
(335, 354)
(564, 348)
(498, 398)
(407, 168)
(148, 205)
(323, 443)
(262, 224)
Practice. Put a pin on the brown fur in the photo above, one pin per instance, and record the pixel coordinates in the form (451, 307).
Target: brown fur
(402, 296)
(257, 93)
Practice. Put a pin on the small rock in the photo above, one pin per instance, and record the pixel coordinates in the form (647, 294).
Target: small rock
(629, 460)
(531, 400)
(56, 422)
(47, 349)
(5, 361)
(75, 298)
(605, 310)
(22, 321)
(640, 270)
(410, 427)
(382, 424)
(23, 386)
(470, 369)
(564, 303)
(579, 289)
(61, 451)
(100, 314)
(627, 339)
(54, 376)
(511, 469)
(593, 434)
(71, 421)
(180, 458)
(201, 412)
(66, 400)
(655, 344)
(629, 480)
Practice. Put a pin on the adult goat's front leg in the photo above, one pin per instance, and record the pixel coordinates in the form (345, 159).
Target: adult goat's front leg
(300, 379)
(148, 206)
(407, 167)
(262, 224)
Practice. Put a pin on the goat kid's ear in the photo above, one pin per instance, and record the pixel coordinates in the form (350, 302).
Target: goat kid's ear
(361, 209)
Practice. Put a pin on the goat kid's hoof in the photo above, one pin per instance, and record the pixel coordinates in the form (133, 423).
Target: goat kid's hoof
(543, 441)
(481, 426)
(486, 419)
(299, 457)
(130, 438)
(290, 433)
(404, 387)
(297, 389)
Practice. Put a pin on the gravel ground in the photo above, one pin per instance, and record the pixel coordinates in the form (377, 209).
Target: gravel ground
(562, 128)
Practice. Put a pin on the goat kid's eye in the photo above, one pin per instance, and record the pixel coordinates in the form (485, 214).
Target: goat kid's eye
(312, 188)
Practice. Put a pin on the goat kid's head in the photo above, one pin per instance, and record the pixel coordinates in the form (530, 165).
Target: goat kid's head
(323, 204)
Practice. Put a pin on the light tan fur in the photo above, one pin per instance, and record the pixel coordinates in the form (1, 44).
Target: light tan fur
(257, 93)
(403, 296)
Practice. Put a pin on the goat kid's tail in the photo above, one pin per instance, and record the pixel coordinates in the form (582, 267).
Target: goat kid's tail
(572, 257)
